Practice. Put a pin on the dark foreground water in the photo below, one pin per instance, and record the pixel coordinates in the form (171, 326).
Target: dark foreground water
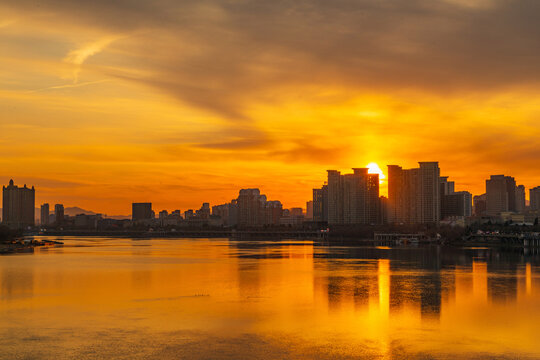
(97, 298)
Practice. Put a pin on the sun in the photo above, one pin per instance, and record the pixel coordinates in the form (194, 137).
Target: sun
(373, 168)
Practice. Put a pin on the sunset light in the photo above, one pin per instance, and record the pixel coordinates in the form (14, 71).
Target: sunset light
(186, 179)
(373, 168)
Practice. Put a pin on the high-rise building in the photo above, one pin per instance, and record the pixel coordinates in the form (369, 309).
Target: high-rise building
(189, 214)
(534, 198)
(457, 204)
(352, 198)
(203, 212)
(520, 199)
(447, 187)
(141, 211)
(163, 214)
(309, 210)
(414, 195)
(373, 204)
(59, 214)
(335, 197)
(18, 206)
(454, 204)
(320, 204)
(500, 194)
(254, 210)
(480, 205)
(45, 212)
(273, 212)
(296, 211)
(250, 207)
(223, 212)
(383, 209)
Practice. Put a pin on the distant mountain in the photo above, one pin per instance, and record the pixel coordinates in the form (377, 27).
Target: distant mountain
(75, 210)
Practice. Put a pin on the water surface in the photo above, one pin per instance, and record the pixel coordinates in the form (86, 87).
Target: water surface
(98, 298)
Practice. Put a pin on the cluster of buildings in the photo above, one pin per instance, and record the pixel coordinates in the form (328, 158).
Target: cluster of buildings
(504, 200)
(249, 209)
(415, 196)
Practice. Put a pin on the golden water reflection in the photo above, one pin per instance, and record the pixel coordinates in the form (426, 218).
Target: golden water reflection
(196, 298)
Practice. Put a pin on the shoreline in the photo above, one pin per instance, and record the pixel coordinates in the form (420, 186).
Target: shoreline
(277, 236)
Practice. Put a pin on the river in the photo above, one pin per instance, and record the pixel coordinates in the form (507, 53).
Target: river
(97, 298)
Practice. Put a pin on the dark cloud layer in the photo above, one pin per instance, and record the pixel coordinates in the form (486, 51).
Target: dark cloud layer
(218, 55)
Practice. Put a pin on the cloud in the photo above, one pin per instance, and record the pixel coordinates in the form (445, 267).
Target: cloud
(223, 56)
(293, 87)
(56, 87)
(302, 151)
(78, 56)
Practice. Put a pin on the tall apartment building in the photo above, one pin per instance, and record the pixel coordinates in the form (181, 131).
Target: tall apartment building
(45, 213)
(447, 187)
(18, 206)
(500, 194)
(335, 197)
(480, 205)
(141, 211)
(309, 210)
(223, 212)
(414, 195)
(254, 210)
(520, 199)
(353, 198)
(59, 214)
(454, 204)
(534, 198)
(320, 204)
(457, 204)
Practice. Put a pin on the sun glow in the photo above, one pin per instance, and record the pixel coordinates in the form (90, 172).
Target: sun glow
(373, 168)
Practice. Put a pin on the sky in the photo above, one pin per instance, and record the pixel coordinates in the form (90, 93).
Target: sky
(103, 103)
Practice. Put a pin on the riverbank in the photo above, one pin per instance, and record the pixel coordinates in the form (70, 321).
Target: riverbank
(21, 245)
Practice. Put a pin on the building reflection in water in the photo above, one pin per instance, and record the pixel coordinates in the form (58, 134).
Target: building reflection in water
(383, 282)
(392, 301)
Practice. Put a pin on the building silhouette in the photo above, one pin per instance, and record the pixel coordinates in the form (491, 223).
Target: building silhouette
(353, 198)
(204, 212)
(520, 199)
(457, 204)
(480, 205)
(309, 210)
(250, 209)
(18, 206)
(534, 198)
(454, 203)
(320, 204)
(414, 195)
(44, 214)
(59, 214)
(141, 211)
(500, 195)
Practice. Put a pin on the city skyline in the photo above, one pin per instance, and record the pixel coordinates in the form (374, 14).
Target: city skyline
(172, 204)
(444, 199)
(105, 101)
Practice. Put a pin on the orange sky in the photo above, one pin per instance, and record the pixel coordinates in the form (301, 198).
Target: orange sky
(180, 102)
